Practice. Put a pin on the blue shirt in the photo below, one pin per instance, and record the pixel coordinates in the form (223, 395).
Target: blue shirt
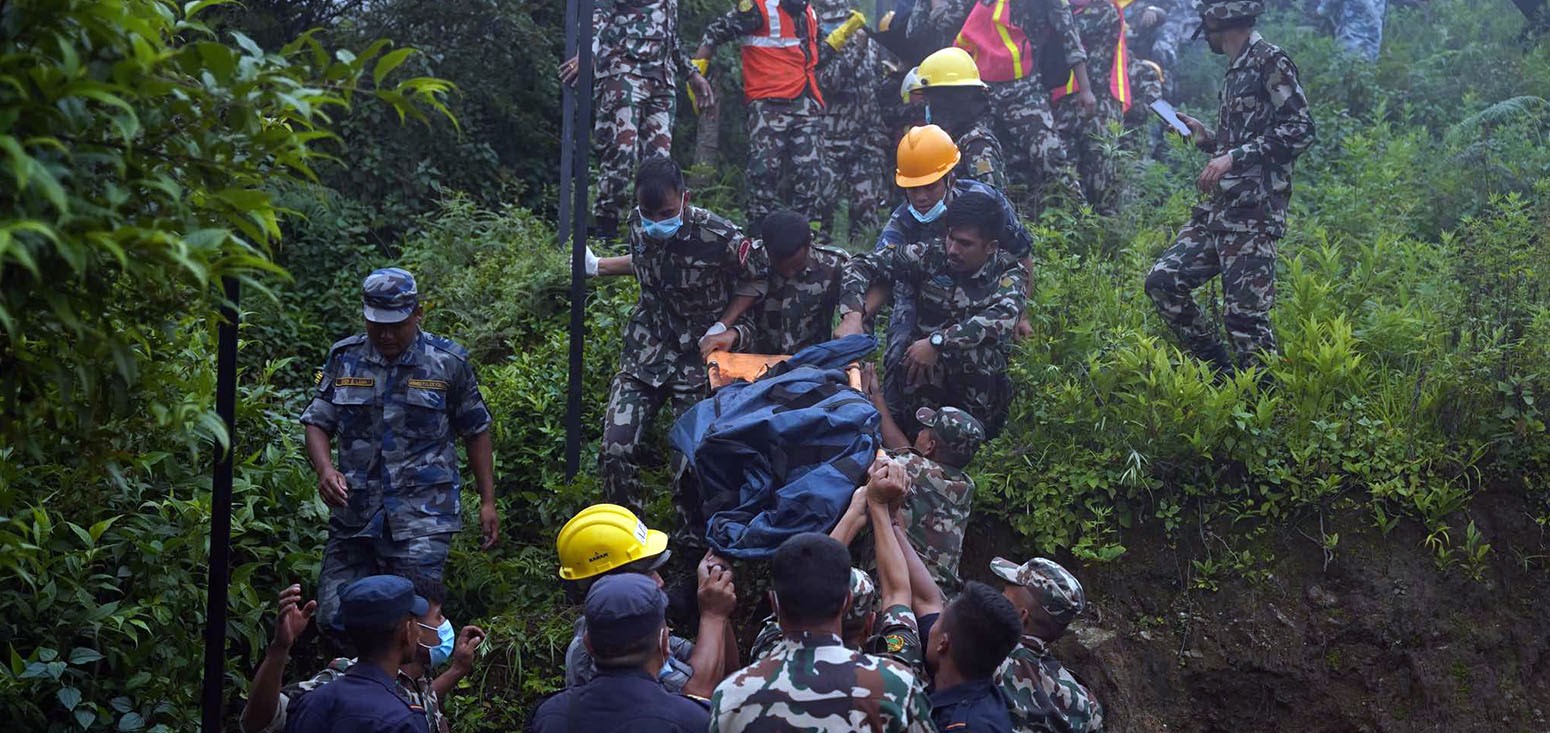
(903, 228)
(621, 700)
(976, 707)
(364, 700)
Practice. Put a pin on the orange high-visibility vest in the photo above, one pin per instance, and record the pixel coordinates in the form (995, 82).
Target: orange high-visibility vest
(1119, 76)
(1000, 48)
(775, 64)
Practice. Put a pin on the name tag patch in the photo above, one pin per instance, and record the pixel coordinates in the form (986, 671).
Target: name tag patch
(435, 384)
(355, 382)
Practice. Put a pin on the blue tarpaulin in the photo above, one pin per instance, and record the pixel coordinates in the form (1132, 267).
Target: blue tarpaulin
(780, 456)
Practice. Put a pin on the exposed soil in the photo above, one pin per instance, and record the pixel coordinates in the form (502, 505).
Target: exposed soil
(1375, 639)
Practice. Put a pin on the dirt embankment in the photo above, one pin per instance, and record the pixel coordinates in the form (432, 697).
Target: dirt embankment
(1376, 639)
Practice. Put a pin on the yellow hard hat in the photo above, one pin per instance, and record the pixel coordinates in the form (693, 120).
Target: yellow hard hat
(925, 155)
(604, 537)
(950, 67)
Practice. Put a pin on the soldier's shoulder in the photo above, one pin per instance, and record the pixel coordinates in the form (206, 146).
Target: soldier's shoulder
(711, 225)
(829, 256)
(347, 344)
(443, 345)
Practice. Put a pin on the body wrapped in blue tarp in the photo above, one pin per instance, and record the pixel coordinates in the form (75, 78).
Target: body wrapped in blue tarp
(781, 455)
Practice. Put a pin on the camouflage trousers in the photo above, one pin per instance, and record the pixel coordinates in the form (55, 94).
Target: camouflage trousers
(1247, 263)
(785, 157)
(854, 167)
(1358, 24)
(974, 381)
(634, 121)
(347, 559)
(1089, 141)
(632, 408)
(1036, 156)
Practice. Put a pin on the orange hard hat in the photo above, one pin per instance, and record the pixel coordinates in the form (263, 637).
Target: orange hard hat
(925, 155)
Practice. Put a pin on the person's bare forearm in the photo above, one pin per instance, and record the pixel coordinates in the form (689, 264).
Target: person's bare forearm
(447, 681)
(926, 597)
(319, 449)
(708, 658)
(850, 523)
(730, 660)
(481, 459)
(1082, 82)
(892, 571)
(264, 693)
(614, 266)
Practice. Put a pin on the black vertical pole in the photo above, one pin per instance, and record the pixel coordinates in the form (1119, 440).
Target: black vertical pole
(579, 142)
(567, 126)
(220, 514)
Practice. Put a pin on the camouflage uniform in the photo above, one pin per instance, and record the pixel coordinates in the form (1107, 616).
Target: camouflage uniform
(394, 425)
(1043, 695)
(785, 136)
(1358, 24)
(895, 633)
(639, 59)
(975, 313)
(1087, 138)
(811, 682)
(1169, 40)
(981, 157)
(853, 142)
(903, 228)
(936, 514)
(795, 313)
(1020, 110)
(418, 692)
(580, 668)
(1264, 125)
(685, 284)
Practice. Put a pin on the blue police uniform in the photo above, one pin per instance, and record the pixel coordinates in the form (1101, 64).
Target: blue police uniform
(621, 700)
(976, 706)
(903, 229)
(364, 700)
(393, 423)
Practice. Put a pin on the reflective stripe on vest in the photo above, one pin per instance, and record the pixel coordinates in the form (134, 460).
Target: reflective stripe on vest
(777, 63)
(1000, 48)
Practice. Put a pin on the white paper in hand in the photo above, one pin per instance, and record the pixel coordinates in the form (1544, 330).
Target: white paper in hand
(1165, 111)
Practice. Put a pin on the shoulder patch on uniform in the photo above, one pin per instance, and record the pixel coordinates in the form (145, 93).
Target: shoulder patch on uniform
(435, 384)
(356, 382)
(743, 248)
(317, 377)
(1006, 281)
(956, 726)
(982, 167)
(895, 643)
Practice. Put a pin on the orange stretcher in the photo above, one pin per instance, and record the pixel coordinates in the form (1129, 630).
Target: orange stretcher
(725, 367)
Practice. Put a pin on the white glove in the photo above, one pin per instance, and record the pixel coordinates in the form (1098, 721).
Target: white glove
(591, 265)
(716, 329)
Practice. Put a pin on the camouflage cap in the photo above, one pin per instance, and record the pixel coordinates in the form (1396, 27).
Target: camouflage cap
(958, 430)
(390, 295)
(1056, 589)
(863, 600)
(1230, 9)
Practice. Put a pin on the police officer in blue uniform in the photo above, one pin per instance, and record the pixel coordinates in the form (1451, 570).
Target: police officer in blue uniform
(380, 615)
(964, 646)
(395, 397)
(628, 639)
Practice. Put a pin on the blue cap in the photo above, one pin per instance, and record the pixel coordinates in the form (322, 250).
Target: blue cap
(390, 295)
(623, 609)
(377, 602)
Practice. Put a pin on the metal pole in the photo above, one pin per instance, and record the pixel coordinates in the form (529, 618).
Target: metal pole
(220, 514)
(567, 126)
(580, 142)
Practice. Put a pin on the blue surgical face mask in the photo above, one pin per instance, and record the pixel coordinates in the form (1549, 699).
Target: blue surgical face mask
(930, 216)
(665, 229)
(443, 649)
(665, 672)
(928, 113)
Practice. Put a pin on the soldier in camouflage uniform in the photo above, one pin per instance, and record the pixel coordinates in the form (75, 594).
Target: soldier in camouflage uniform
(1358, 24)
(969, 295)
(692, 265)
(1264, 125)
(1021, 113)
(803, 290)
(395, 397)
(1041, 693)
(1168, 41)
(638, 60)
(1087, 136)
(785, 106)
(268, 704)
(854, 145)
(810, 681)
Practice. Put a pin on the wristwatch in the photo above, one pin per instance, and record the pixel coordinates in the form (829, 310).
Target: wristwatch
(937, 340)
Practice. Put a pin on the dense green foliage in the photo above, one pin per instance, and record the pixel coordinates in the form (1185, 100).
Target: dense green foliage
(144, 156)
